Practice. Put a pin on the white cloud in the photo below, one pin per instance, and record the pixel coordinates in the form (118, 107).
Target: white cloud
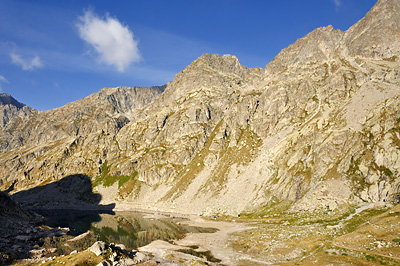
(26, 64)
(2, 80)
(113, 41)
(337, 3)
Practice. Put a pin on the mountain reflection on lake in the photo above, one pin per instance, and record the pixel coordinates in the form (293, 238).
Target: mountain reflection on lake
(133, 229)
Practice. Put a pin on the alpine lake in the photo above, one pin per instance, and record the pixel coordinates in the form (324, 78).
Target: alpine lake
(132, 229)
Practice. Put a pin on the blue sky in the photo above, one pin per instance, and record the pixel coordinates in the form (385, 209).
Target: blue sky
(55, 52)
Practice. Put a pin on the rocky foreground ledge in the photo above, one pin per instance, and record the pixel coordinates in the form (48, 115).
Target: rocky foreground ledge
(117, 254)
(28, 243)
(26, 251)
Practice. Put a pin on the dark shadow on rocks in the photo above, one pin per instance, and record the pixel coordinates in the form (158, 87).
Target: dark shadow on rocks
(73, 192)
(78, 221)
(11, 188)
(69, 202)
(13, 218)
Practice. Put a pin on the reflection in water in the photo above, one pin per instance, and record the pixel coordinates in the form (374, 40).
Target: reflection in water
(79, 222)
(132, 229)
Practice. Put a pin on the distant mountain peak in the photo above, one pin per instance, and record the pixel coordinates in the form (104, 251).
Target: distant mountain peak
(6, 98)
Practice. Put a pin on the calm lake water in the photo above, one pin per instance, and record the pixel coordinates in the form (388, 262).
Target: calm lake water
(133, 229)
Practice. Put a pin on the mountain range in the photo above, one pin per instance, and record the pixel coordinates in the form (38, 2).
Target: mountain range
(317, 129)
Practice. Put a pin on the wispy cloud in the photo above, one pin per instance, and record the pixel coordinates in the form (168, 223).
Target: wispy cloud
(25, 63)
(2, 80)
(337, 3)
(114, 42)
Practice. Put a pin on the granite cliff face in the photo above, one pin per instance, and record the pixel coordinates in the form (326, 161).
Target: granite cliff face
(318, 128)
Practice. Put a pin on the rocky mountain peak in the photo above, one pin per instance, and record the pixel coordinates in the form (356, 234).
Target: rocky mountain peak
(211, 64)
(225, 63)
(317, 46)
(206, 73)
(377, 35)
(11, 109)
(6, 98)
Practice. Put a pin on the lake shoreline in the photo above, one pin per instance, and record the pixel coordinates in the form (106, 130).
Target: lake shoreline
(216, 243)
(201, 244)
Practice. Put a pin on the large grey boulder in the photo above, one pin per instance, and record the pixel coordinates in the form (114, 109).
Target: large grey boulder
(98, 248)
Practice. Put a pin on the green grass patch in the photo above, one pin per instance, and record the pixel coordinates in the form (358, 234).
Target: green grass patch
(273, 207)
(86, 263)
(391, 59)
(387, 172)
(107, 180)
(353, 224)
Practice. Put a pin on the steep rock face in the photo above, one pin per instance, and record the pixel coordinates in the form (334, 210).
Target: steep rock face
(318, 46)
(377, 35)
(317, 128)
(12, 112)
(334, 97)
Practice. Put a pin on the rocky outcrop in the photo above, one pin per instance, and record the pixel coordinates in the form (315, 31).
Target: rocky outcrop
(316, 128)
(117, 254)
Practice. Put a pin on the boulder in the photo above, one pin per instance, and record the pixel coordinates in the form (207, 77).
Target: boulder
(140, 257)
(98, 248)
(127, 262)
(104, 263)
